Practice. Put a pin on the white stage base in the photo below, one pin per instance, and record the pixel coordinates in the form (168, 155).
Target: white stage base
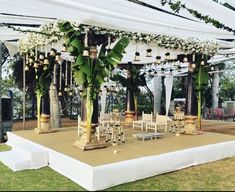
(24, 155)
(105, 176)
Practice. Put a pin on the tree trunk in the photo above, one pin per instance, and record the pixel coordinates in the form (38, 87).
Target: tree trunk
(38, 110)
(54, 108)
(136, 107)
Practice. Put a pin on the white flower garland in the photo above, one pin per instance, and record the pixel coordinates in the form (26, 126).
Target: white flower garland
(50, 32)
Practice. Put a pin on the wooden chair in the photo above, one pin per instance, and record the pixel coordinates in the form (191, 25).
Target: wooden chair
(161, 123)
(146, 118)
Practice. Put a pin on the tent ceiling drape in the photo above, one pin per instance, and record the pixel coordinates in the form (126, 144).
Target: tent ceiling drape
(118, 14)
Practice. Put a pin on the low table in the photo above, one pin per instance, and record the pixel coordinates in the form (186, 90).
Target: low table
(144, 136)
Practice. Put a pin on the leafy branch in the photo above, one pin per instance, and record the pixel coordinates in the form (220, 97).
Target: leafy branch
(206, 18)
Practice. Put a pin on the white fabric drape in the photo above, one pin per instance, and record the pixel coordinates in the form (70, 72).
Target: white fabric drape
(157, 94)
(168, 85)
(117, 14)
(103, 100)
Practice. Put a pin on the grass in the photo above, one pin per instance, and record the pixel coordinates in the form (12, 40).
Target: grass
(214, 176)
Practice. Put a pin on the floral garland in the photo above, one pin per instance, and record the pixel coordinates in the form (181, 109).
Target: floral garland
(50, 33)
(206, 18)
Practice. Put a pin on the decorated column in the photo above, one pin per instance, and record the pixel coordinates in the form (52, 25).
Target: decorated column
(130, 106)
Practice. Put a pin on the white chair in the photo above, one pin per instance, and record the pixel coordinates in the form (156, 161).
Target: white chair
(161, 123)
(146, 118)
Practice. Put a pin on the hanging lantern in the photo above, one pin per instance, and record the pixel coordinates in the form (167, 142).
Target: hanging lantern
(85, 52)
(57, 57)
(31, 59)
(54, 87)
(46, 61)
(66, 89)
(64, 48)
(35, 64)
(71, 93)
(149, 53)
(26, 68)
(158, 59)
(60, 93)
(137, 56)
(52, 52)
(193, 65)
(185, 60)
(45, 67)
(212, 68)
(167, 56)
(202, 61)
(41, 56)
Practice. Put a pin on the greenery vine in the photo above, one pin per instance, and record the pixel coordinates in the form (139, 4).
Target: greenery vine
(206, 18)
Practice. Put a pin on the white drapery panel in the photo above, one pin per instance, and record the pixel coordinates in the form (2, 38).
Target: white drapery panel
(103, 100)
(117, 14)
(168, 86)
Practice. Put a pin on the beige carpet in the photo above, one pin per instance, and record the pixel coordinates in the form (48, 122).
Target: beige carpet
(62, 141)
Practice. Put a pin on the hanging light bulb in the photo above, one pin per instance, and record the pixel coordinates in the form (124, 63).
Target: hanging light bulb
(212, 68)
(54, 87)
(26, 68)
(149, 52)
(158, 59)
(137, 56)
(60, 93)
(64, 48)
(193, 65)
(167, 56)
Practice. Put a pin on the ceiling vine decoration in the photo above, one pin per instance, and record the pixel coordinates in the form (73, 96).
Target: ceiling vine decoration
(50, 33)
(206, 18)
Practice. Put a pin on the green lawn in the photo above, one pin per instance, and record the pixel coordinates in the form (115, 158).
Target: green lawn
(215, 176)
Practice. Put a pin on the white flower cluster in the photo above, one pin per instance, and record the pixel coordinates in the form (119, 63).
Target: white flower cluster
(169, 42)
(50, 33)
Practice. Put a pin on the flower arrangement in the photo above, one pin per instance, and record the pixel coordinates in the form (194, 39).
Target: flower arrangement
(49, 33)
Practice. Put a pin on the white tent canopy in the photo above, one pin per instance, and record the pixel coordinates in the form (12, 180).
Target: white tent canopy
(116, 14)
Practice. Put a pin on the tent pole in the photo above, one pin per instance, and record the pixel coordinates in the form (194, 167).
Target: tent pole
(23, 91)
(1, 127)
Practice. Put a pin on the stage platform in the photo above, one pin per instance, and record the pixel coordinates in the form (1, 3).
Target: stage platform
(130, 161)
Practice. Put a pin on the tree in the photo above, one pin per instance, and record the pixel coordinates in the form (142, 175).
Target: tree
(133, 84)
(90, 70)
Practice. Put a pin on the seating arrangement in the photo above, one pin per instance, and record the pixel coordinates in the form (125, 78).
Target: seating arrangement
(146, 118)
(161, 123)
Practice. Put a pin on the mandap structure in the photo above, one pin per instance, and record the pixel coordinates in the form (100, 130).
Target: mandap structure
(82, 42)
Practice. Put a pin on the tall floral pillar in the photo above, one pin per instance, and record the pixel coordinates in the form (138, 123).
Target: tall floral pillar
(130, 106)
